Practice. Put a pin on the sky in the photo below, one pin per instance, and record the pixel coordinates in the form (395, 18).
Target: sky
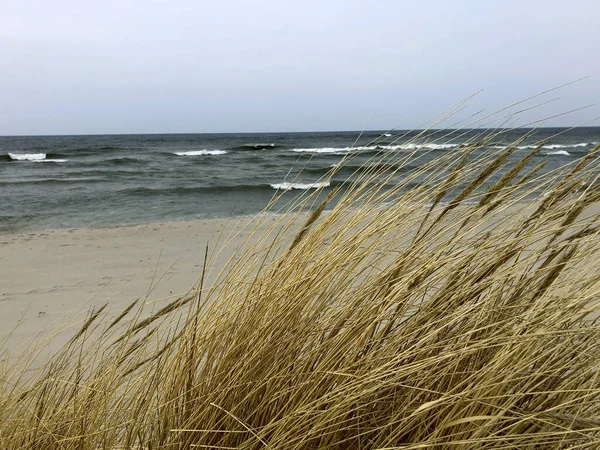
(190, 66)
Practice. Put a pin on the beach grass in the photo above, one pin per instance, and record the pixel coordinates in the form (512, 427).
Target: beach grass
(450, 306)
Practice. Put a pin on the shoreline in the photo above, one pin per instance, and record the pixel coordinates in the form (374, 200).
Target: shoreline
(104, 226)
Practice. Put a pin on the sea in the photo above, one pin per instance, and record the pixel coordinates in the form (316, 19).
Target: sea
(109, 180)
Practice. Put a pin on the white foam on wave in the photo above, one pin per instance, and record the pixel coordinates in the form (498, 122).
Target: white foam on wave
(344, 150)
(387, 135)
(559, 152)
(201, 153)
(415, 146)
(334, 151)
(27, 156)
(271, 145)
(552, 146)
(301, 186)
(50, 160)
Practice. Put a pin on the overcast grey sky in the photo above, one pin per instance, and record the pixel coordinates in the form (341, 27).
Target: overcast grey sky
(150, 66)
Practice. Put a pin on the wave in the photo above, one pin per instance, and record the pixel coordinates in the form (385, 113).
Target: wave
(27, 156)
(100, 163)
(110, 173)
(300, 186)
(255, 146)
(551, 146)
(374, 167)
(201, 153)
(343, 150)
(123, 161)
(330, 150)
(180, 191)
(559, 152)
(428, 146)
(32, 157)
(90, 151)
(51, 181)
(56, 155)
(334, 151)
(407, 146)
(554, 146)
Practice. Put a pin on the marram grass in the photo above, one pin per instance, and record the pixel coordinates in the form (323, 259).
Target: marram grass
(450, 306)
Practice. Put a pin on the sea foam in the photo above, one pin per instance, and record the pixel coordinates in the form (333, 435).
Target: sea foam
(201, 153)
(415, 146)
(330, 150)
(344, 150)
(559, 152)
(27, 156)
(553, 146)
(300, 186)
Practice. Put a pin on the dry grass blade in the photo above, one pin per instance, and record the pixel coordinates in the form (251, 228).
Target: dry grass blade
(121, 316)
(314, 216)
(508, 177)
(93, 316)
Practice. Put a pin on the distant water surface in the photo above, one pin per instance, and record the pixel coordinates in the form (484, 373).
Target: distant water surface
(75, 181)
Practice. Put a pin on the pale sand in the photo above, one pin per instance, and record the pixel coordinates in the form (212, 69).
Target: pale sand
(48, 275)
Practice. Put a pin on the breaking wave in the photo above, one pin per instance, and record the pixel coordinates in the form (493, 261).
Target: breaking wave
(581, 144)
(201, 153)
(301, 186)
(551, 146)
(27, 156)
(330, 150)
(407, 146)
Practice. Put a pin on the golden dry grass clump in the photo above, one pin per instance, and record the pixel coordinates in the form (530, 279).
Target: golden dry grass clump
(452, 314)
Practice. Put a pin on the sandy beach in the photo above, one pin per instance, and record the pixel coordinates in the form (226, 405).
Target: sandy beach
(49, 276)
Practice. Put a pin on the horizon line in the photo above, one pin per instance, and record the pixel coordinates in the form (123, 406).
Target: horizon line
(394, 130)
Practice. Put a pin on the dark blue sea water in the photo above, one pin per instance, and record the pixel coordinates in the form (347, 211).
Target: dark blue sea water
(74, 181)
